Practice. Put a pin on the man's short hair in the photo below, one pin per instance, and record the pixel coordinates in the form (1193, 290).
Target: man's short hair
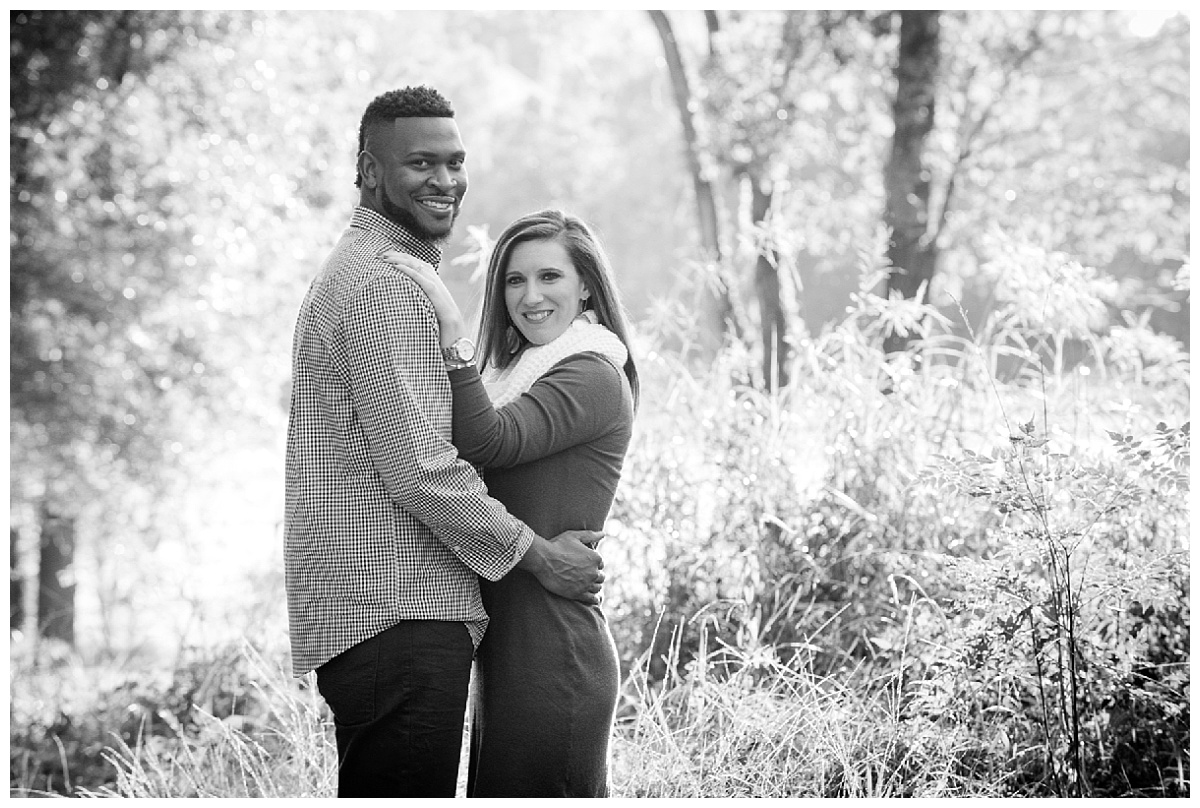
(409, 102)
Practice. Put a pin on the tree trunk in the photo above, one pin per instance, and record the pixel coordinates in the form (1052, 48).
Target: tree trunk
(772, 320)
(56, 577)
(16, 583)
(912, 250)
(716, 301)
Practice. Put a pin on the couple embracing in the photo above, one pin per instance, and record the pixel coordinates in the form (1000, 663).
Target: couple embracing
(402, 566)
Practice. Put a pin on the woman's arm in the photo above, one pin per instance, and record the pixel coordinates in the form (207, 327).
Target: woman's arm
(579, 399)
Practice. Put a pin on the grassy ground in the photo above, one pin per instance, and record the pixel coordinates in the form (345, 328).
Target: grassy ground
(730, 728)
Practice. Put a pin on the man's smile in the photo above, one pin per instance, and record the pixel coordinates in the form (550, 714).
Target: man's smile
(437, 204)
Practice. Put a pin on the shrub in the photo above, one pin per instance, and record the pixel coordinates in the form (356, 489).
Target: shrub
(1073, 623)
(1077, 624)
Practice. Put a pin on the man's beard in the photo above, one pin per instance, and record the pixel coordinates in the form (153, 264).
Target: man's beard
(409, 222)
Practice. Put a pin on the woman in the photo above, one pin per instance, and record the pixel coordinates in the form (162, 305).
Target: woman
(549, 420)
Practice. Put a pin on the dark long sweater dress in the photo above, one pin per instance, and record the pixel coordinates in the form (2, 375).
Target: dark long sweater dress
(547, 667)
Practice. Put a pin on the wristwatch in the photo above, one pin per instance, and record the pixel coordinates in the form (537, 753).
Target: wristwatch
(459, 354)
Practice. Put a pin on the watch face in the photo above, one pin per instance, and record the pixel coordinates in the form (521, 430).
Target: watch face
(465, 349)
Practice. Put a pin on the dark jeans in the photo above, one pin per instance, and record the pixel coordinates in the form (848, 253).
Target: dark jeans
(398, 702)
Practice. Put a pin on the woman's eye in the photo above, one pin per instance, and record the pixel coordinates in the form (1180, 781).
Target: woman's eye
(513, 280)
(550, 277)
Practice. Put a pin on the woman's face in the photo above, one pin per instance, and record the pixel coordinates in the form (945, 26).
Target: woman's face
(542, 290)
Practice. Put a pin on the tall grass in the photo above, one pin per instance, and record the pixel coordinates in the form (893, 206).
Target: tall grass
(738, 724)
(732, 725)
(284, 748)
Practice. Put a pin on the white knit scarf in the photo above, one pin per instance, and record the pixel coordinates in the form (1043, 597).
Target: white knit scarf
(584, 334)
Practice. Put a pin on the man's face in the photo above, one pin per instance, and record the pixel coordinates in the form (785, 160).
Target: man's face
(417, 178)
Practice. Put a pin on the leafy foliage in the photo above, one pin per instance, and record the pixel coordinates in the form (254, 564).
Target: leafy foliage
(1056, 619)
(1039, 132)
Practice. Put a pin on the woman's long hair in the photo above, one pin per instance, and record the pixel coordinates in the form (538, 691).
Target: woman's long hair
(500, 341)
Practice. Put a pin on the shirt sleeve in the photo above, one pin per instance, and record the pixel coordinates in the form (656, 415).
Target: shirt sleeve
(393, 358)
(575, 402)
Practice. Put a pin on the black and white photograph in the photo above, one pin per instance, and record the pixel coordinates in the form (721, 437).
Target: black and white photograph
(673, 404)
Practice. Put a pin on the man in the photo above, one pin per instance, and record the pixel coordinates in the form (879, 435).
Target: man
(386, 528)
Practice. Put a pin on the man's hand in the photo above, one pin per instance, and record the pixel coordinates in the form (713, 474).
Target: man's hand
(566, 566)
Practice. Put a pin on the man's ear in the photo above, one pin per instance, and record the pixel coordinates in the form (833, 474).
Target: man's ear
(368, 167)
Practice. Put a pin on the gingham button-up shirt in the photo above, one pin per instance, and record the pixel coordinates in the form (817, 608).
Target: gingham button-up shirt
(383, 521)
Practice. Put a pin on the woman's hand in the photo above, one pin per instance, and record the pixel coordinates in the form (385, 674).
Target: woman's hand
(450, 319)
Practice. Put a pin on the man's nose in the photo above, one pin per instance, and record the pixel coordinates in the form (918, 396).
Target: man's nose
(442, 179)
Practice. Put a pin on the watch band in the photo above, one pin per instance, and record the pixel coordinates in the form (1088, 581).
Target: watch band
(459, 354)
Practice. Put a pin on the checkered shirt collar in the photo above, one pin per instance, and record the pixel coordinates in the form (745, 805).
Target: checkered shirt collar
(368, 219)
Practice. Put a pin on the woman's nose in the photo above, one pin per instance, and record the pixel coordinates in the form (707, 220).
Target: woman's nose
(533, 293)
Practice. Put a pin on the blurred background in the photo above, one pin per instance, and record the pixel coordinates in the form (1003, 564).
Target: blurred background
(177, 177)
